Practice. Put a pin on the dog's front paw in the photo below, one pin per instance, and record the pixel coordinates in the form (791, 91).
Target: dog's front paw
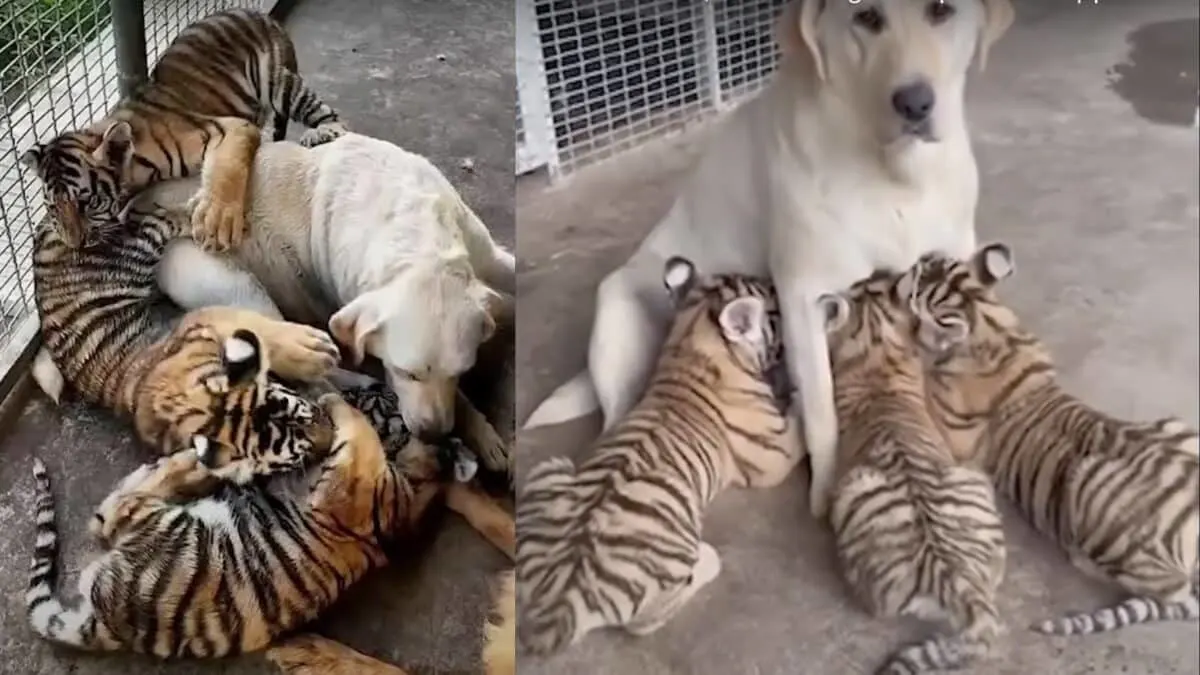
(323, 134)
(303, 353)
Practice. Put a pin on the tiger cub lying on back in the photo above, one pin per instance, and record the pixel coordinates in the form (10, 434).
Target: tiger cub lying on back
(222, 78)
(113, 337)
(916, 533)
(617, 541)
(198, 567)
(1123, 498)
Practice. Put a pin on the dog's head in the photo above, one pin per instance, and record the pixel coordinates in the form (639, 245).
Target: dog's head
(425, 326)
(902, 63)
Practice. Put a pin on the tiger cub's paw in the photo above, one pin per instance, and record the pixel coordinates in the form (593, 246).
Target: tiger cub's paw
(218, 224)
(302, 353)
(188, 469)
(323, 134)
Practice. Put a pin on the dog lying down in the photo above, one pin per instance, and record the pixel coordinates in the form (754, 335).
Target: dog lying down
(374, 242)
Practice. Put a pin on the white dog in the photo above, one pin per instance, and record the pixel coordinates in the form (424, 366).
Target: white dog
(855, 157)
(373, 241)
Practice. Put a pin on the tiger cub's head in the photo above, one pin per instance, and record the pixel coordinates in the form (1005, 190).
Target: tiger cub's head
(82, 176)
(949, 292)
(243, 410)
(733, 320)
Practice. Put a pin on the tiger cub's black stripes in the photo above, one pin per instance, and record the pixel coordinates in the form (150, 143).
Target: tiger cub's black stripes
(617, 541)
(916, 533)
(203, 568)
(121, 344)
(227, 568)
(1122, 498)
(222, 80)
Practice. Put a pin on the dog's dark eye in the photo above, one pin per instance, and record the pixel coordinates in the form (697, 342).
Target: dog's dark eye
(870, 19)
(939, 11)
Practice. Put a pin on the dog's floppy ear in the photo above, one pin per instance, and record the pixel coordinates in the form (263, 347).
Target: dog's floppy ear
(993, 263)
(353, 324)
(997, 17)
(796, 31)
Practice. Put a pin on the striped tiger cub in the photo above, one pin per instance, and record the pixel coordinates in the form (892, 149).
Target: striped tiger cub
(616, 542)
(216, 84)
(120, 344)
(916, 533)
(197, 567)
(1122, 498)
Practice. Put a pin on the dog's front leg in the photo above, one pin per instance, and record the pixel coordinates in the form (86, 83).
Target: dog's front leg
(807, 352)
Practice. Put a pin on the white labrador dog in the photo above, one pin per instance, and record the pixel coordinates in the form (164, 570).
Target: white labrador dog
(373, 241)
(855, 157)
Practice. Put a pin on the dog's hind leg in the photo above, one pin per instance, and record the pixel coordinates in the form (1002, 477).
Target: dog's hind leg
(194, 278)
(626, 337)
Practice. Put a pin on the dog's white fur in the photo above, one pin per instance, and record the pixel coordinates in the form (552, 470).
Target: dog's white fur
(369, 239)
(814, 182)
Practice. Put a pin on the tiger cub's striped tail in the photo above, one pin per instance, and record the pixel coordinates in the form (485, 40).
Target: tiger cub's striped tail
(1130, 612)
(981, 626)
(50, 618)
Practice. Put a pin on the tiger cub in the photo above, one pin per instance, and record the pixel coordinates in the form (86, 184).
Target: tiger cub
(197, 567)
(616, 541)
(222, 78)
(120, 344)
(1122, 498)
(916, 533)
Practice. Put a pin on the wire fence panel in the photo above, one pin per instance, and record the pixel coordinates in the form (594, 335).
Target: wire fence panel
(57, 72)
(621, 72)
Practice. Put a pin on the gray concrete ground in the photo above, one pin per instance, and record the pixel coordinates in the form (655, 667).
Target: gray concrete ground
(378, 63)
(1095, 186)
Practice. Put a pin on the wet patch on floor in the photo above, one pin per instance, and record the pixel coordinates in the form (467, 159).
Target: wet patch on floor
(1159, 76)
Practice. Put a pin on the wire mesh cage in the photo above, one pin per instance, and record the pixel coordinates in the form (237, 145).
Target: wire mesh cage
(617, 73)
(58, 71)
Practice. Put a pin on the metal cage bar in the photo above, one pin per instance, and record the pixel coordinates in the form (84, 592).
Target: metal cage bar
(63, 65)
(617, 73)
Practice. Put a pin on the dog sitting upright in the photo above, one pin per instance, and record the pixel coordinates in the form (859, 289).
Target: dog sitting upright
(374, 242)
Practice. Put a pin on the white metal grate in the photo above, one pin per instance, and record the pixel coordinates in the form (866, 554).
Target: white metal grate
(57, 71)
(618, 73)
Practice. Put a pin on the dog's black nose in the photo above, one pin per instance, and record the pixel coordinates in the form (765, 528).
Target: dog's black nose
(914, 102)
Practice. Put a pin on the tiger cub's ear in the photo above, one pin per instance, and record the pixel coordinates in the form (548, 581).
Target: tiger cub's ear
(32, 157)
(242, 356)
(993, 263)
(679, 275)
(116, 147)
(742, 321)
(835, 310)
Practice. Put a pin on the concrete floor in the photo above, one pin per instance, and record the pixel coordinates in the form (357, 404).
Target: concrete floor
(378, 63)
(1097, 188)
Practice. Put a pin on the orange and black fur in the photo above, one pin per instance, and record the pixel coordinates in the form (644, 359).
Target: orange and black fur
(916, 533)
(223, 79)
(616, 541)
(1121, 497)
(120, 344)
(198, 567)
